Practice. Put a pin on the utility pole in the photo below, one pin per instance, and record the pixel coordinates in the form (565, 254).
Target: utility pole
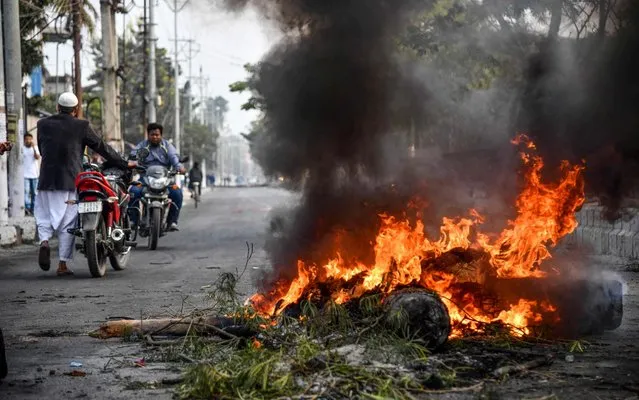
(13, 77)
(151, 90)
(145, 66)
(190, 60)
(77, 48)
(4, 184)
(192, 53)
(202, 104)
(176, 79)
(111, 101)
(176, 9)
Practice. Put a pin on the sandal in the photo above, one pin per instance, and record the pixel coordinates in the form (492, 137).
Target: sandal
(44, 257)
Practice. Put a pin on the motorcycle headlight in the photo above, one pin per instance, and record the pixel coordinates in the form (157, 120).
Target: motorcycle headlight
(157, 183)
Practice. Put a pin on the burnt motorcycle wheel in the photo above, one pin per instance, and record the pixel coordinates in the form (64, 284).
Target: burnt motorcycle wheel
(120, 259)
(94, 251)
(154, 228)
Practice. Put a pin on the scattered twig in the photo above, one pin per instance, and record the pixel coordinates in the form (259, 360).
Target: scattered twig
(187, 358)
(221, 332)
(150, 341)
(172, 381)
(549, 397)
(512, 369)
(368, 328)
(472, 388)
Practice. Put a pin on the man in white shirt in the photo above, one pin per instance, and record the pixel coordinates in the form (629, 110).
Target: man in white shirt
(31, 170)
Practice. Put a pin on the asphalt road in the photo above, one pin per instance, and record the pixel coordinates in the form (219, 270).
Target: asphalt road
(45, 318)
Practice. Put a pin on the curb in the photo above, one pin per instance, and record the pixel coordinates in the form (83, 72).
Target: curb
(23, 249)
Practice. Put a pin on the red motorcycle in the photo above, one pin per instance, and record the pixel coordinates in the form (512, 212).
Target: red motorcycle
(103, 223)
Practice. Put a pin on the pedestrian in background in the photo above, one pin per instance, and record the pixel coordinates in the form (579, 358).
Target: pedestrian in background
(30, 168)
(195, 175)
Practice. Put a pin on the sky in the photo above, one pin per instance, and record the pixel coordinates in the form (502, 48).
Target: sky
(226, 42)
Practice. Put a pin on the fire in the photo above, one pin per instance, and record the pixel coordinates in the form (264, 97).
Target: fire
(545, 214)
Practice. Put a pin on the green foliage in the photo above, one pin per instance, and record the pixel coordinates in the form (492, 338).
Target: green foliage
(36, 15)
(46, 103)
(132, 85)
(255, 102)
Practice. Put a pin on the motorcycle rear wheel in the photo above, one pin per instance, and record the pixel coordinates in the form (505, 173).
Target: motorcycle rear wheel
(94, 251)
(155, 228)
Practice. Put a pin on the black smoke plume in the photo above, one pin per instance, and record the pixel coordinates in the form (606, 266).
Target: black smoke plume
(332, 89)
(589, 109)
(334, 86)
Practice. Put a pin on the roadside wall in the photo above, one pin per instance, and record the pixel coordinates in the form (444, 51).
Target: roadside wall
(600, 237)
(18, 231)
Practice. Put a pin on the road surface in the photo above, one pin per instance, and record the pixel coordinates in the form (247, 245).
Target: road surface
(46, 318)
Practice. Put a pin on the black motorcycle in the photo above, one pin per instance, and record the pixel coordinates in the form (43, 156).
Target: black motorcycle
(153, 208)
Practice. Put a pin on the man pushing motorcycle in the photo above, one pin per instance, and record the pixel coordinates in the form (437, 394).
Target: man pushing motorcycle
(62, 139)
(163, 153)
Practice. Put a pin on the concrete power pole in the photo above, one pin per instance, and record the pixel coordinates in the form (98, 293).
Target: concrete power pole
(151, 90)
(112, 128)
(13, 77)
(189, 97)
(4, 185)
(77, 48)
(176, 78)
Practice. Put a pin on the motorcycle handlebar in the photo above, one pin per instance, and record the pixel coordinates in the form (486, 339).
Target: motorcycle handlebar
(143, 168)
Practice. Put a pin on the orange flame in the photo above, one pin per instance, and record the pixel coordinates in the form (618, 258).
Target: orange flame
(545, 214)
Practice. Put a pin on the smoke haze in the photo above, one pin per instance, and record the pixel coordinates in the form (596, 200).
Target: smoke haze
(339, 99)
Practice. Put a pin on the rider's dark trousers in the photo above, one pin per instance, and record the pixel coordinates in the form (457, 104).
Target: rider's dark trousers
(175, 194)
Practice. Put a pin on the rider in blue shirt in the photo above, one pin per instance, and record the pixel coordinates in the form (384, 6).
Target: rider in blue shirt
(161, 152)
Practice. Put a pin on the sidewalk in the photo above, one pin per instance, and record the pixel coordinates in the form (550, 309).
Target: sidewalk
(18, 231)
(25, 248)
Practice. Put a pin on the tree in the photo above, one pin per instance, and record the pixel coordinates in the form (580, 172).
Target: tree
(133, 74)
(33, 19)
(199, 142)
(80, 14)
(220, 108)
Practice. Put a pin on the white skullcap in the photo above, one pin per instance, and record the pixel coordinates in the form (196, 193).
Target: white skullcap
(67, 99)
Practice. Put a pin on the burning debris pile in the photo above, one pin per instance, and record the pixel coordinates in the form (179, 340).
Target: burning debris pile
(381, 327)
(483, 279)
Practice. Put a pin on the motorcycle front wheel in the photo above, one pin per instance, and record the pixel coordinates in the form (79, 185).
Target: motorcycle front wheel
(155, 227)
(94, 251)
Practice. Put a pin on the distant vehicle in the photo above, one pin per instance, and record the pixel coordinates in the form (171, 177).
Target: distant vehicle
(240, 181)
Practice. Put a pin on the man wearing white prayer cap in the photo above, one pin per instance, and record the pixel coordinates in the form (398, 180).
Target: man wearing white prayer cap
(62, 139)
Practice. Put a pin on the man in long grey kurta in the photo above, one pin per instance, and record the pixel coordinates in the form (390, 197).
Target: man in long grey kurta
(62, 139)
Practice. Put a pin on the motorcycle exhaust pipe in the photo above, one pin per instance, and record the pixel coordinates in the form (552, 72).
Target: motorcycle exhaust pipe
(117, 235)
